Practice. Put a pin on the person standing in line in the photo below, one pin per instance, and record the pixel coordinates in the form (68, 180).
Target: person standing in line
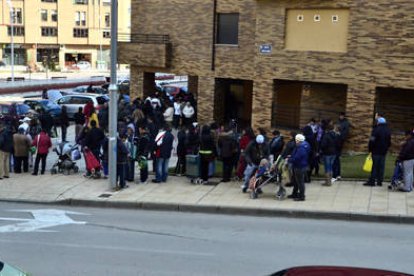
(164, 143)
(79, 118)
(177, 113)
(247, 136)
(129, 143)
(188, 114)
(143, 149)
(180, 168)
(103, 117)
(169, 114)
(93, 117)
(328, 151)
(300, 162)
(228, 149)
(208, 152)
(42, 142)
(121, 162)
(343, 129)
(21, 145)
(379, 143)
(6, 147)
(406, 156)
(64, 123)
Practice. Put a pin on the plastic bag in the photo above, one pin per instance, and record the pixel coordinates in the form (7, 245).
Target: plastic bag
(368, 164)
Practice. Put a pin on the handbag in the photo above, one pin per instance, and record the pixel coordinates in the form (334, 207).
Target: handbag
(367, 167)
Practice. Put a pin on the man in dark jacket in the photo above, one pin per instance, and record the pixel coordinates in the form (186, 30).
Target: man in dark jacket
(300, 162)
(406, 156)
(121, 162)
(143, 149)
(328, 150)
(379, 144)
(256, 150)
(46, 121)
(6, 147)
(164, 141)
(103, 117)
(94, 139)
(228, 148)
(276, 144)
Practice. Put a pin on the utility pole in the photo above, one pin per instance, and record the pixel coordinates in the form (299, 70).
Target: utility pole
(113, 95)
(12, 38)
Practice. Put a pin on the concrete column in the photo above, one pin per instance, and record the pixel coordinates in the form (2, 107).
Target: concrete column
(137, 83)
(263, 93)
(205, 100)
(360, 108)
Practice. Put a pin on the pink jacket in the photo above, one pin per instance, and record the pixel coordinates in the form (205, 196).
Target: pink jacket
(42, 142)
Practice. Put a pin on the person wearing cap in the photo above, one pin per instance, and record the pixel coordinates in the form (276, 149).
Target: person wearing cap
(300, 162)
(256, 150)
(379, 143)
(406, 156)
(21, 144)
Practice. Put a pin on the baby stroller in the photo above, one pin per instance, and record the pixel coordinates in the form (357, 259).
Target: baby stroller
(397, 177)
(93, 166)
(264, 176)
(67, 155)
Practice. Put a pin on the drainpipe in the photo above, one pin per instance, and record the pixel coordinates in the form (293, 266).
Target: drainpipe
(213, 50)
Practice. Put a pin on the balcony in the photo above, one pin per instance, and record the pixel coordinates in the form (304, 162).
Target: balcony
(145, 50)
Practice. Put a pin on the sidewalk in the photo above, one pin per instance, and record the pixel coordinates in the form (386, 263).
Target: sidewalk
(345, 200)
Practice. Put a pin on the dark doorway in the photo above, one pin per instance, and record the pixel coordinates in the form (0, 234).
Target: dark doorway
(233, 100)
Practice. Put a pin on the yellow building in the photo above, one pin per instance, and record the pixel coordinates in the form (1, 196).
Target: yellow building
(59, 33)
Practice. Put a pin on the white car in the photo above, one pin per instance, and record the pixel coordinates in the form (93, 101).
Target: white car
(73, 102)
(83, 65)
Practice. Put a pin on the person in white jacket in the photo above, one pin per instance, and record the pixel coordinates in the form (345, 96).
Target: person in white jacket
(188, 114)
(168, 115)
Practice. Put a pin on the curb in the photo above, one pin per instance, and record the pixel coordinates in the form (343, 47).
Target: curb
(225, 210)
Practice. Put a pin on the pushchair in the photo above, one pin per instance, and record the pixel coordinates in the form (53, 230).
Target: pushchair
(272, 175)
(67, 155)
(93, 166)
(397, 177)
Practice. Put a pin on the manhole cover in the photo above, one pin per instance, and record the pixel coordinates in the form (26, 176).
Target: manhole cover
(105, 195)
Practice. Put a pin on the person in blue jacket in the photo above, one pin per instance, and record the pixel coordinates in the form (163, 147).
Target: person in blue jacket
(300, 162)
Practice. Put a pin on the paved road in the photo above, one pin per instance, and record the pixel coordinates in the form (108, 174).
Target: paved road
(130, 242)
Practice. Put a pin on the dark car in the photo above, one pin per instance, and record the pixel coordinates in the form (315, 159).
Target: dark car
(48, 106)
(6, 269)
(335, 271)
(12, 112)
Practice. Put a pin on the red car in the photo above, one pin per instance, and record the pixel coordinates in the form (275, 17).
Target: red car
(335, 271)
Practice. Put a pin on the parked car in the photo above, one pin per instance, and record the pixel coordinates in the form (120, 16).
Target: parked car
(12, 112)
(47, 105)
(73, 102)
(6, 269)
(335, 271)
(83, 65)
(95, 89)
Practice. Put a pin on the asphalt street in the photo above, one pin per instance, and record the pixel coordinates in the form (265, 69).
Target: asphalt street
(43, 240)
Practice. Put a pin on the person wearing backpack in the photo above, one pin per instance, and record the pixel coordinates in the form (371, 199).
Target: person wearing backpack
(276, 144)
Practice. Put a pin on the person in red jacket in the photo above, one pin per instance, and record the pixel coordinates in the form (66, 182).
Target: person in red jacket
(42, 142)
(247, 136)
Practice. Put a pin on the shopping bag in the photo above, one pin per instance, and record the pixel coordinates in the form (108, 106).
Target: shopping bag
(367, 164)
(76, 155)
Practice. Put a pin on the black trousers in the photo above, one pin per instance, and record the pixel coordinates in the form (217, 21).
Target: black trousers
(299, 184)
(37, 161)
(204, 162)
(18, 164)
(227, 168)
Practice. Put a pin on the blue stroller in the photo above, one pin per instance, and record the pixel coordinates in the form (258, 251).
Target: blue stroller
(397, 177)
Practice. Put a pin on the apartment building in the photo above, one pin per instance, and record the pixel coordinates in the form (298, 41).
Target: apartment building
(276, 64)
(59, 33)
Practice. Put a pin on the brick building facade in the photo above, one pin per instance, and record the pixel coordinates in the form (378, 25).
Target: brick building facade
(276, 64)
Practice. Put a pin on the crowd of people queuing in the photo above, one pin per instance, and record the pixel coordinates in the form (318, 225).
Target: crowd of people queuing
(145, 131)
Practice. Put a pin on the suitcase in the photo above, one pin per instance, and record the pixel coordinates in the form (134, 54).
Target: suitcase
(192, 166)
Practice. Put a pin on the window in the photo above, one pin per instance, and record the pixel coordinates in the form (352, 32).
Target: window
(82, 2)
(54, 15)
(77, 18)
(83, 18)
(227, 28)
(106, 34)
(50, 1)
(77, 32)
(17, 31)
(16, 16)
(107, 20)
(49, 31)
(43, 15)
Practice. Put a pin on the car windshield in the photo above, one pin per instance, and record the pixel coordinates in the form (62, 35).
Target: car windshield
(48, 104)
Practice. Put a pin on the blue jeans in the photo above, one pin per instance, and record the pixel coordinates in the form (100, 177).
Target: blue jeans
(378, 168)
(328, 161)
(248, 172)
(161, 173)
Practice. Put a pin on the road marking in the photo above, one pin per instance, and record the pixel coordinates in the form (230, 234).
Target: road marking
(45, 218)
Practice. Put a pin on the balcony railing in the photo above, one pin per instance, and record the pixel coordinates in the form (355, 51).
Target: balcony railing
(144, 38)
